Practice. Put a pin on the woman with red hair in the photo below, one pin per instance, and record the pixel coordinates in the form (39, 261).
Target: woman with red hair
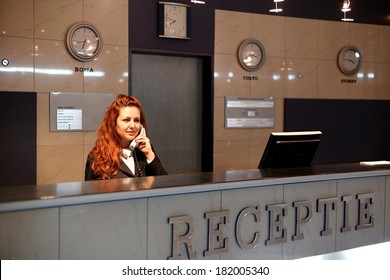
(122, 149)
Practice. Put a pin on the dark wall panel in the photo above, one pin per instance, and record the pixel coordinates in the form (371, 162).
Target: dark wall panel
(353, 130)
(18, 144)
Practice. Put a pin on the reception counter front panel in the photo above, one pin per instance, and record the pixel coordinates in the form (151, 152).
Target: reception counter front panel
(247, 214)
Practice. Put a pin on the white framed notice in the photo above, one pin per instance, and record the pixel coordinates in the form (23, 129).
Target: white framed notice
(69, 119)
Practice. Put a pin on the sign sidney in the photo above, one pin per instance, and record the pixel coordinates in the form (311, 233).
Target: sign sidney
(218, 237)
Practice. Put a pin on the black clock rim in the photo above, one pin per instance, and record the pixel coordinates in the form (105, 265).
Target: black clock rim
(339, 60)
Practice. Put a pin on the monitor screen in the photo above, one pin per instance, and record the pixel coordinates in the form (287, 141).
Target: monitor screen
(290, 149)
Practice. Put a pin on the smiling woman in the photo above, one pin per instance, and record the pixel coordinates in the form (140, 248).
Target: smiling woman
(113, 156)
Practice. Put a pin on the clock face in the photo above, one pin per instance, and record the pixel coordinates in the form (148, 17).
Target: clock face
(349, 60)
(251, 54)
(84, 41)
(173, 20)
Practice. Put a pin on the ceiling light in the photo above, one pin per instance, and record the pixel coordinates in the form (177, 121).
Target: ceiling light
(346, 8)
(276, 10)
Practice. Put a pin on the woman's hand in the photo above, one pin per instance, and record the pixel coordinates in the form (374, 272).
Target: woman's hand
(143, 144)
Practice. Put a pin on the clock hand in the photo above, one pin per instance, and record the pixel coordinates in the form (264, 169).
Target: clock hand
(251, 54)
(84, 43)
(350, 60)
(171, 20)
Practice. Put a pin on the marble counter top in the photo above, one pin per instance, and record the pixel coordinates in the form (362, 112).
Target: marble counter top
(42, 196)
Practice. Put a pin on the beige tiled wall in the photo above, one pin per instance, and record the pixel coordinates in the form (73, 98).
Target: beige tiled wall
(292, 46)
(33, 39)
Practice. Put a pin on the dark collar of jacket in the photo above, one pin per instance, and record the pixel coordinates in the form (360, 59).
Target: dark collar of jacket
(139, 167)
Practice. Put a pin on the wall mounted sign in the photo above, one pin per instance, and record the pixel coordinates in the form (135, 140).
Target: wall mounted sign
(249, 112)
(69, 119)
(71, 111)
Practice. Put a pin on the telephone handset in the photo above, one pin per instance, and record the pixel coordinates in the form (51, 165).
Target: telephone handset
(133, 143)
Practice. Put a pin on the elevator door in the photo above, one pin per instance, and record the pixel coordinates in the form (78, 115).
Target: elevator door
(170, 90)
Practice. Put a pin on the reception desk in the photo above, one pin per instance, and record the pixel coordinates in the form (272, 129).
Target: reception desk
(244, 214)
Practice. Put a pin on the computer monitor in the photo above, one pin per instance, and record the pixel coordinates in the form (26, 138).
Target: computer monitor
(290, 149)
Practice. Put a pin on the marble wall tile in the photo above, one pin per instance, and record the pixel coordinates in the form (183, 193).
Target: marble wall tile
(367, 236)
(55, 68)
(104, 230)
(18, 75)
(257, 147)
(54, 18)
(313, 243)
(25, 238)
(366, 38)
(86, 150)
(228, 77)
(367, 83)
(19, 28)
(271, 79)
(64, 163)
(301, 78)
(110, 17)
(332, 36)
(110, 71)
(329, 81)
(219, 118)
(231, 28)
(240, 199)
(271, 32)
(231, 155)
(160, 231)
(90, 137)
(384, 44)
(383, 81)
(301, 38)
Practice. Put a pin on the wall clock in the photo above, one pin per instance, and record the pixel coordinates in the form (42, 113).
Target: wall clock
(174, 20)
(349, 60)
(84, 41)
(251, 54)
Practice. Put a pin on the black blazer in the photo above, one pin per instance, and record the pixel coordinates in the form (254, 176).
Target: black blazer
(142, 168)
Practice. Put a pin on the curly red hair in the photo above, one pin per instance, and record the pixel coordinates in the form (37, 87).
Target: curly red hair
(105, 156)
